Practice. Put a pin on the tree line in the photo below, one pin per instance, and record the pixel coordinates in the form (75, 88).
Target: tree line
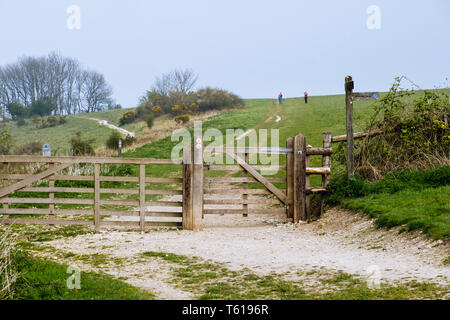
(51, 85)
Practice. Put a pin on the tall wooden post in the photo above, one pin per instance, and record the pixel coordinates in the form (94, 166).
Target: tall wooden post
(299, 178)
(326, 159)
(197, 184)
(142, 196)
(120, 148)
(245, 187)
(290, 178)
(51, 184)
(187, 188)
(307, 185)
(97, 196)
(349, 86)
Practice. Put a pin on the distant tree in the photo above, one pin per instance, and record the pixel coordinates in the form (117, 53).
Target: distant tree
(17, 110)
(61, 81)
(42, 108)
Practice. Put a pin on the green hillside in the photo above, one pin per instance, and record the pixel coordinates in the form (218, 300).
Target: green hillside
(59, 137)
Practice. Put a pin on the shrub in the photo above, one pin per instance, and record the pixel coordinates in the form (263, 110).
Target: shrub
(80, 147)
(182, 119)
(217, 99)
(5, 141)
(416, 133)
(157, 111)
(128, 117)
(21, 122)
(150, 119)
(113, 141)
(30, 148)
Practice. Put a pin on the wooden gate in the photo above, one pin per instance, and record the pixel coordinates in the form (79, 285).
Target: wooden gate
(241, 188)
(89, 191)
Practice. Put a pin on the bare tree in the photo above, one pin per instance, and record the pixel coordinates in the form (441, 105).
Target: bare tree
(56, 79)
(178, 81)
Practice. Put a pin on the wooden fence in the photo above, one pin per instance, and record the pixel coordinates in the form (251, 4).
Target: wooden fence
(55, 193)
(81, 190)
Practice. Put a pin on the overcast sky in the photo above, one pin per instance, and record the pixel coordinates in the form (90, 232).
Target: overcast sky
(255, 48)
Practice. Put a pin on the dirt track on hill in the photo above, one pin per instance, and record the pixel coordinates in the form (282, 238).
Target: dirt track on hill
(268, 244)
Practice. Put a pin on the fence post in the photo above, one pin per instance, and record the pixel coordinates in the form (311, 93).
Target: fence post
(326, 159)
(349, 85)
(51, 184)
(142, 196)
(299, 178)
(197, 184)
(5, 184)
(307, 185)
(290, 178)
(245, 187)
(97, 196)
(187, 188)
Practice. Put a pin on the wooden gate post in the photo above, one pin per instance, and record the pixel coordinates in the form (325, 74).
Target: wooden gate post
(326, 159)
(290, 178)
(97, 196)
(187, 188)
(142, 196)
(197, 184)
(349, 85)
(299, 178)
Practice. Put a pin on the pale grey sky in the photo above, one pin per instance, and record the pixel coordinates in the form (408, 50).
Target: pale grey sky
(255, 48)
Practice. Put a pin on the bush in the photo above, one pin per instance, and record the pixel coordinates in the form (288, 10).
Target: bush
(113, 141)
(80, 147)
(182, 119)
(150, 119)
(5, 141)
(51, 121)
(157, 111)
(30, 148)
(416, 133)
(217, 99)
(128, 117)
(21, 122)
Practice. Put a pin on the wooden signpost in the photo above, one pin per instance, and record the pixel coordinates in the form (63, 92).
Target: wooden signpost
(349, 96)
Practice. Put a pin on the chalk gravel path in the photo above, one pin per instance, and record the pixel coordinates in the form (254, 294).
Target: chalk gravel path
(339, 241)
(111, 126)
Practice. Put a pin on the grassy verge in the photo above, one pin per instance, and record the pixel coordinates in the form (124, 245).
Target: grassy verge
(416, 200)
(45, 280)
(210, 281)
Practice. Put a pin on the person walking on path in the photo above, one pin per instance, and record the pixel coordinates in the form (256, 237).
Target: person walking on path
(280, 98)
(306, 97)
